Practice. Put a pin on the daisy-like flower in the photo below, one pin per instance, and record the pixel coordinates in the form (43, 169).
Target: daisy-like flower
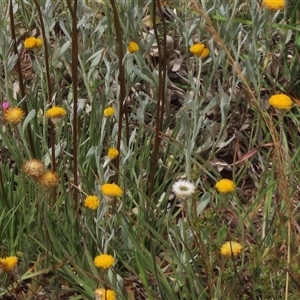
(231, 248)
(281, 101)
(111, 190)
(199, 50)
(8, 263)
(133, 47)
(183, 189)
(112, 153)
(92, 202)
(103, 294)
(34, 168)
(225, 186)
(13, 115)
(109, 112)
(49, 179)
(104, 261)
(32, 42)
(274, 4)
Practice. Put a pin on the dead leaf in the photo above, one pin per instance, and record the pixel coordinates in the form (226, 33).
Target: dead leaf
(177, 62)
(147, 21)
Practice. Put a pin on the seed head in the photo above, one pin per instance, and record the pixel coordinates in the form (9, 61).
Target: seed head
(34, 168)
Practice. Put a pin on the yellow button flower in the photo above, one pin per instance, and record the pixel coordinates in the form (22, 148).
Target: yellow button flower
(104, 261)
(111, 190)
(231, 248)
(32, 42)
(56, 112)
(49, 179)
(204, 53)
(39, 42)
(274, 4)
(109, 112)
(112, 153)
(133, 47)
(92, 202)
(199, 50)
(8, 263)
(103, 294)
(225, 186)
(13, 115)
(281, 101)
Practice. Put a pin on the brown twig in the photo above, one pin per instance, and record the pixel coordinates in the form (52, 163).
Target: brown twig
(20, 75)
(160, 103)
(73, 11)
(49, 89)
(122, 104)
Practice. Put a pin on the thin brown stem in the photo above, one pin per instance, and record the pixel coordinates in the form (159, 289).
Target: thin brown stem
(20, 75)
(160, 103)
(4, 196)
(163, 66)
(73, 11)
(49, 93)
(46, 56)
(122, 88)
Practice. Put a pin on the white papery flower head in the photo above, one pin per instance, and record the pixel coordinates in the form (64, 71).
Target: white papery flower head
(183, 189)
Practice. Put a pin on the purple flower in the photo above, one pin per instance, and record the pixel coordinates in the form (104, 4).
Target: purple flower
(5, 105)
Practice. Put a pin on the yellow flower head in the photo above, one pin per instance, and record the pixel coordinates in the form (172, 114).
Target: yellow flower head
(102, 294)
(204, 53)
(13, 115)
(30, 43)
(133, 47)
(225, 186)
(229, 248)
(92, 202)
(109, 111)
(274, 4)
(49, 179)
(281, 101)
(111, 190)
(8, 263)
(39, 42)
(104, 261)
(56, 112)
(34, 168)
(112, 153)
(199, 50)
